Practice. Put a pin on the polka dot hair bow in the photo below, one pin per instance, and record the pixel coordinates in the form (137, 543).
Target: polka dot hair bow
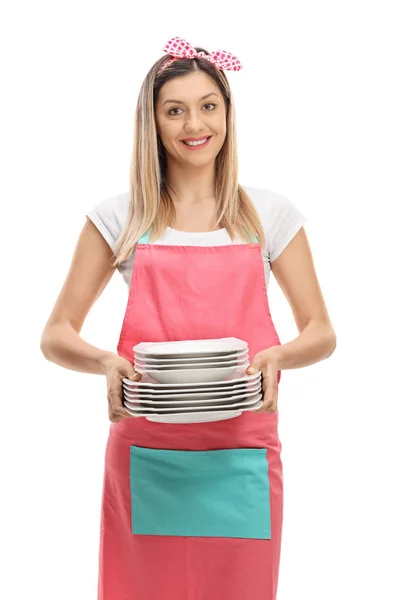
(180, 48)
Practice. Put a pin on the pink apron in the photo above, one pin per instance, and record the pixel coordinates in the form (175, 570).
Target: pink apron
(193, 511)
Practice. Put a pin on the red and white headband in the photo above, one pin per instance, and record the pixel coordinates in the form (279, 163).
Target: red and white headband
(180, 48)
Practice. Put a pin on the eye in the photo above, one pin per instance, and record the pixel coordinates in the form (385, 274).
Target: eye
(171, 113)
(177, 108)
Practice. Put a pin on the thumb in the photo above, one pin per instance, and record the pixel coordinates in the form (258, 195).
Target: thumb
(253, 368)
(133, 375)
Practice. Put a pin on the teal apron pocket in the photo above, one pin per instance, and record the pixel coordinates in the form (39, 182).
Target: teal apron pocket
(208, 493)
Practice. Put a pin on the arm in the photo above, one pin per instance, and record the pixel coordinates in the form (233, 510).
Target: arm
(89, 273)
(295, 273)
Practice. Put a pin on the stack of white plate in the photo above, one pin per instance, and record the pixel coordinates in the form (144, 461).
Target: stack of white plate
(192, 381)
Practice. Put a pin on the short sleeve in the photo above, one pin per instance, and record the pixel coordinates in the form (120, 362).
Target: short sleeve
(109, 215)
(284, 221)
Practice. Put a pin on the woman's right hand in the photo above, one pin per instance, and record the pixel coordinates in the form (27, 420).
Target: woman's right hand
(115, 368)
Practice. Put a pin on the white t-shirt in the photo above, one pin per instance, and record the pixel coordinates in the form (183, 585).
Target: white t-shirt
(280, 218)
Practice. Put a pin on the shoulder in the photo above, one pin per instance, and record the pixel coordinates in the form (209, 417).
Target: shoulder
(268, 202)
(112, 207)
(109, 215)
(281, 218)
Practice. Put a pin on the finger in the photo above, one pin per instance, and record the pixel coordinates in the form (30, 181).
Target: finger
(113, 414)
(271, 387)
(115, 399)
(269, 403)
(120, 410)
(269, 380)
(263, 405)
(112, 417)
(116, 418)
(265, 392)
(270, 406)
(271, 398)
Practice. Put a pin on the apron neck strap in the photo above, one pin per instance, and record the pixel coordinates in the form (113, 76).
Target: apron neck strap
(145, 237)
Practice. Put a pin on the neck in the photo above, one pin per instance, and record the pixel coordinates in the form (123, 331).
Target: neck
(191, 185)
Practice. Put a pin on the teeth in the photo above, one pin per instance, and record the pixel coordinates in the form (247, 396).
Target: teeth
(196, 143)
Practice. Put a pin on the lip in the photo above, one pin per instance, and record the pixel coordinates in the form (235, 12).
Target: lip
(195, 140)
(191, 139)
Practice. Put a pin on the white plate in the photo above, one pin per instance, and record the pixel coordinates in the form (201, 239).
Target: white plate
(184, 392)
(193, 375)
(204, 357)
(179, 404)
(148, 382)
(190, 348)
(196, 406)
(198, 365)
(195, 393)
(132, 396)
(199, 417)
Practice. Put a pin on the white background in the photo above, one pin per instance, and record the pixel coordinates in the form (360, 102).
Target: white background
(318, 121)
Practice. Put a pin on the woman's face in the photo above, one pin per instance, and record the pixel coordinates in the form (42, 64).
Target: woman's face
(191, 106)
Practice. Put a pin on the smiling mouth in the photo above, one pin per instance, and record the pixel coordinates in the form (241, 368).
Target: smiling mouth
(196, 143)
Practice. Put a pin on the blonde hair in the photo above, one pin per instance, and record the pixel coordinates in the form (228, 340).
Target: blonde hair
(150, 203)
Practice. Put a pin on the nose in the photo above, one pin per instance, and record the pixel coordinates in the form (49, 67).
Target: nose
(193, 122)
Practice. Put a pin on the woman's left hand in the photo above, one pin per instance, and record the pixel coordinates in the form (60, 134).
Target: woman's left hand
(266, 361)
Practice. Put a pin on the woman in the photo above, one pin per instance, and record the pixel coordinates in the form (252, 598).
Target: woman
(189, 242)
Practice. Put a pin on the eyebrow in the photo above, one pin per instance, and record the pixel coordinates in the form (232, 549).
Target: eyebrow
(180, 101)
